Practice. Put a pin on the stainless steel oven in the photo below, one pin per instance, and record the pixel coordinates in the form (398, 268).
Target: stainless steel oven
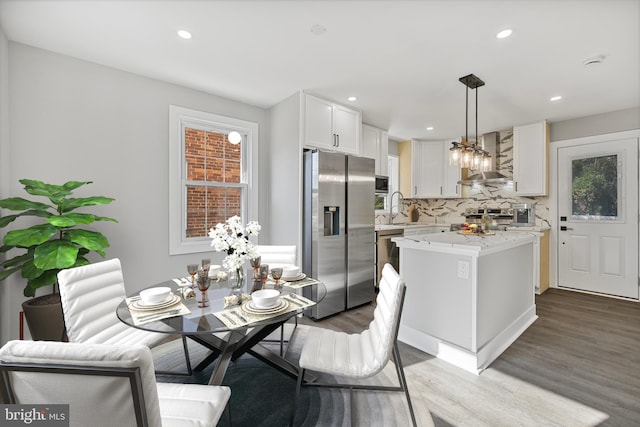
(524, 214)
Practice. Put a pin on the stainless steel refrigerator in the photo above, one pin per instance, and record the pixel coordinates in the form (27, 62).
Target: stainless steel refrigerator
(339, 232)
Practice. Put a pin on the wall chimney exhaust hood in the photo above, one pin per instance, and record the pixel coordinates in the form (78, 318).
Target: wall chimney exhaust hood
(492, 176)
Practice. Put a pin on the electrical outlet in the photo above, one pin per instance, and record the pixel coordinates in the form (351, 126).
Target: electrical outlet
(463, 269)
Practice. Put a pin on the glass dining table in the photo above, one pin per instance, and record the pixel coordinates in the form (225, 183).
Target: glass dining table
(233, 337)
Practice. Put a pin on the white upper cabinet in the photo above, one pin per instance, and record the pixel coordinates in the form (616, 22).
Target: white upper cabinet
(530, 159)
(331, 126)
(375, 145)
(432, 177)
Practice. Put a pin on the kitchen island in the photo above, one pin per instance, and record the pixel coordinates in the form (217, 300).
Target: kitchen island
(469, 297)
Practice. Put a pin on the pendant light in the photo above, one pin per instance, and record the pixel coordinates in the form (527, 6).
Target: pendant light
(466, 154)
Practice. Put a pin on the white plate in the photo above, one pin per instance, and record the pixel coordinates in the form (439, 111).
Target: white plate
(300, 276)
(252, 309)
(140, 306)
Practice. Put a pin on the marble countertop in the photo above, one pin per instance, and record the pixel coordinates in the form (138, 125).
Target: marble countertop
(453, 241)
(402, 226)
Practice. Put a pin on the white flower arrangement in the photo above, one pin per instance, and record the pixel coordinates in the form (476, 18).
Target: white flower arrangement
(232, 238)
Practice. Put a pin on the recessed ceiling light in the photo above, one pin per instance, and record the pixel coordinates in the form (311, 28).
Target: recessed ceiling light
(555, 98)
(504, 33)
(352, 98)
(430, 128)
(184, 34)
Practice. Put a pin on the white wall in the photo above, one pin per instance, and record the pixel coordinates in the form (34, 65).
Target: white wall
(598, 124)
(5, 291)
(74, 120)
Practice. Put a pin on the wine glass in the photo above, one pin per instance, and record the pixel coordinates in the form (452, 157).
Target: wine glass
(206, 264)
(255, 264)
(192, 269)
(276, 273)
(203, 286)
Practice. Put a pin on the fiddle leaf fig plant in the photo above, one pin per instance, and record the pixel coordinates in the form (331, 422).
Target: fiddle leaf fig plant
(58, 242)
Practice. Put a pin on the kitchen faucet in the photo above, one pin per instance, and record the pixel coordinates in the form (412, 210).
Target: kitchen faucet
(400, 203)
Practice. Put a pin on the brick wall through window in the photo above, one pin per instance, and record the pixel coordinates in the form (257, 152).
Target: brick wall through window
(211, 162)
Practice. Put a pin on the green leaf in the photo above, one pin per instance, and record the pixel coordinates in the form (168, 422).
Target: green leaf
(8, 272)
(30, 271)
(48, 278)
(71, 204)
(91, 240)
(20, 204)
(55, 254)
(29, 291)
(72, 185)
(105, 218)
(20, 259)
(30, 236)
(71, 219)
(6, 220)
(39, 188)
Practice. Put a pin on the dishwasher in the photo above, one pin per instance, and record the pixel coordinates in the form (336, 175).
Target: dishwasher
(387, 251)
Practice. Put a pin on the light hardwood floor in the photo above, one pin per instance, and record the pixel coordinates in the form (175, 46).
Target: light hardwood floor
(577, 365)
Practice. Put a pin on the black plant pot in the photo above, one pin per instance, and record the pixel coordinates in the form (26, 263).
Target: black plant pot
(44, 318)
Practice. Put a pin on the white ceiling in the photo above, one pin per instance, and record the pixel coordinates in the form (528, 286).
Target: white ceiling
(402, 59)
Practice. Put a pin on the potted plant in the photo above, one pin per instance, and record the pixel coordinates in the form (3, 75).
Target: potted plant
(56, 242)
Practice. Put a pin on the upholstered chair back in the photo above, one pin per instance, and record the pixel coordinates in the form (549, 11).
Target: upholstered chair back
(90, 295)
(94, 399)
(367, 353)
(277, 255)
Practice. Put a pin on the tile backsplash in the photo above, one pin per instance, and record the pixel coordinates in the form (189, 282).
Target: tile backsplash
(452, 211)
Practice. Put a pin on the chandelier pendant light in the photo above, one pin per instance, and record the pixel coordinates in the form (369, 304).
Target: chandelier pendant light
(467, 154)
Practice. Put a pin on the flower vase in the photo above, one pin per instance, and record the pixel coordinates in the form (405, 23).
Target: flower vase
(238, 281)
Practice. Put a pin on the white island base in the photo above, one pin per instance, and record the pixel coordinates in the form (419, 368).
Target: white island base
(468, 297)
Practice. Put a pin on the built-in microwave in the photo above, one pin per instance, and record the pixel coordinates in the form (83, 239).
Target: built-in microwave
(524, 214)
(382, 184)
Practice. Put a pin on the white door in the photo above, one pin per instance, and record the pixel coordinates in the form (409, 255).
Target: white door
(598, 217)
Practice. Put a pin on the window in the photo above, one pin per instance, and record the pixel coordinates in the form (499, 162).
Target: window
(595, 193)
(210, 178)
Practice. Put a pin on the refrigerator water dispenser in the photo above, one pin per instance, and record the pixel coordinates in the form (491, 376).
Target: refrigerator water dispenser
(332, 220)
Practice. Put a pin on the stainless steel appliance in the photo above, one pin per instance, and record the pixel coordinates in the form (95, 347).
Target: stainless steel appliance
(524, 214)
(338, 232)
(387, 251)
(500, 217)
(382, 184)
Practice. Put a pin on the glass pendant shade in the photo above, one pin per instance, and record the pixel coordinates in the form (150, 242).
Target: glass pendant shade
(467, 158)
(486, 162)
(476, 159)
(454, 153)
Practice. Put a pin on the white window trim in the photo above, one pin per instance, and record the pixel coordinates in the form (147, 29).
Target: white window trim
(178, 116)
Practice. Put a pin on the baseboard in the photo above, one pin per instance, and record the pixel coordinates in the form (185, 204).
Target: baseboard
(461, 357)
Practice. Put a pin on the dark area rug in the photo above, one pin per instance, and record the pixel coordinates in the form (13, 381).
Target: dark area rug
(263, 396)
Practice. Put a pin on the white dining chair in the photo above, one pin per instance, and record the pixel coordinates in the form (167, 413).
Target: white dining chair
(362, 355)
(90, 295)
(105, 385)
(279, 256)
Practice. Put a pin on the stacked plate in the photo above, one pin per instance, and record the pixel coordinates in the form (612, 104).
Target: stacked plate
(173, 299)
(291, 273)
(250, 307)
